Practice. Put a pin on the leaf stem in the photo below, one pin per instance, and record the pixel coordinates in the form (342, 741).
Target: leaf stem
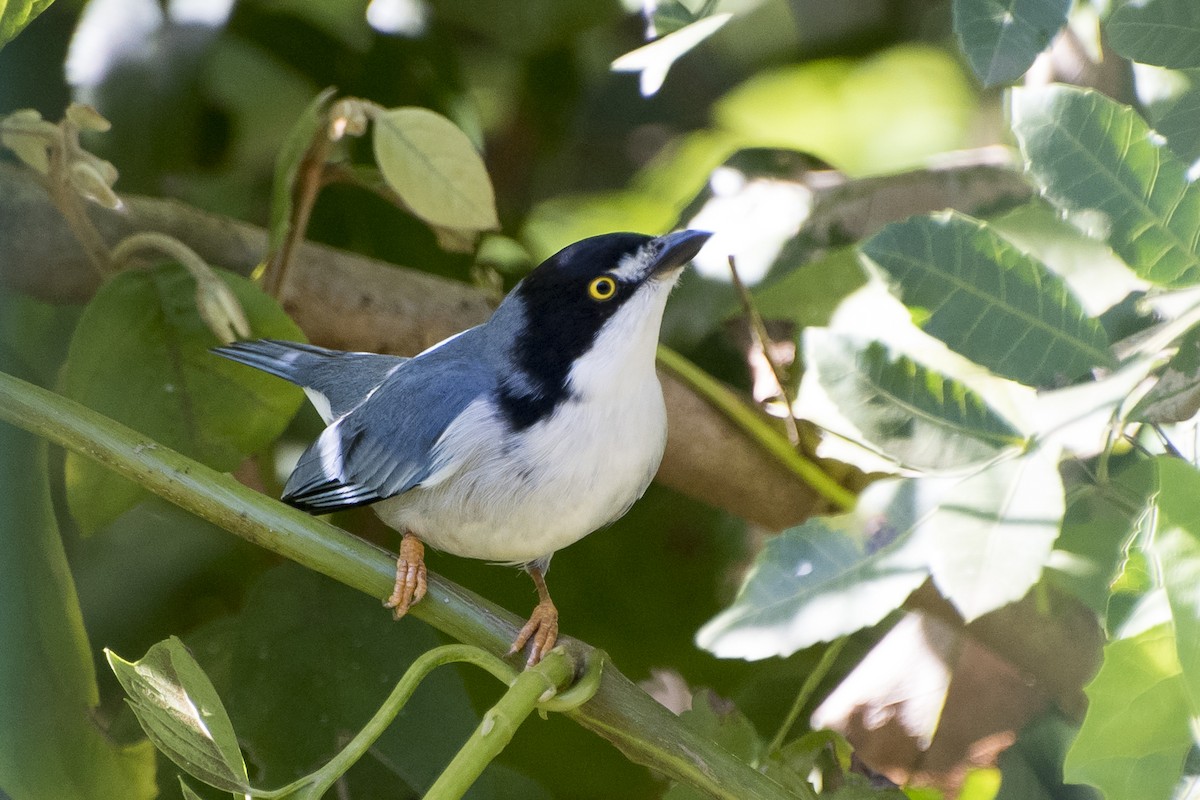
(746, 418)
(314, 786)
(763, 340)
(499, 723)
(811, 681)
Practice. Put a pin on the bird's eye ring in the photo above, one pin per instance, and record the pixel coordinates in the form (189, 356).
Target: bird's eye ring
(602, 288)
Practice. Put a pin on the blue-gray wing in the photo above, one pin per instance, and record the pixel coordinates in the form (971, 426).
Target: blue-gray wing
(337, 378)
(385, 446)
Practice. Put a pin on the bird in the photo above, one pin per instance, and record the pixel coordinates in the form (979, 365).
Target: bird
(508, 441)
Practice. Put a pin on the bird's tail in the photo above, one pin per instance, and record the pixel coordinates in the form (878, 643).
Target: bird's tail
(291, 361)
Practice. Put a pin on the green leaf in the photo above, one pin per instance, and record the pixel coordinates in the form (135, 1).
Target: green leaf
(50, 744)
(987, 300)
(1176, 548)
(1176, 395)
(182, 714)
(1001, 38)
(1091, 154)
(1090, 548)
(721, 721)
(817, 582)
(899, 408)
(140, 355)
(16, 14)
(1136, 733)
(287, 164)
(435, 169)
(188, 792)
(1161, 32)
(990, 534)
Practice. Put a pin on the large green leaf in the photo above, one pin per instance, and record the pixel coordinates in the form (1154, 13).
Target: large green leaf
(899, 408)
(1090, 153)
(16, 14)
(1001, 38)
(182, 714)
(140, 355)
(434, 168)
(819, 581)
(1176, 548)
(1162, 32)
(991, 533)
(1137, 730)
(987, 300)
(50, 744)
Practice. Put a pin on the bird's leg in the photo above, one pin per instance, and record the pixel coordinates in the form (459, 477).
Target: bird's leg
(543, 622)
(410, 576)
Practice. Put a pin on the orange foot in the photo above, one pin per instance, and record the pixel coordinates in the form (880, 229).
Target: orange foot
(542, 626)
(410, 576)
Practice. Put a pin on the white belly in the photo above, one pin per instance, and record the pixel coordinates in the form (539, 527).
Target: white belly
(520, 498)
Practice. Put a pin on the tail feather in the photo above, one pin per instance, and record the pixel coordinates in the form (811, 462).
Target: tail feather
(338, 378)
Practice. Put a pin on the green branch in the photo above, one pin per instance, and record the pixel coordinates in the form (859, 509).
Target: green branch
(620, 712)
(746, 418)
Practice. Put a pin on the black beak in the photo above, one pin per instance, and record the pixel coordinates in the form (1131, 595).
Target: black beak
(675, 250)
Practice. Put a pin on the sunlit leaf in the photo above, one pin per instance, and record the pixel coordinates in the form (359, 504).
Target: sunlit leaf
(16, 14)
(1001, 38)
(991, 533)
(1176, 119)
(1161, 32)
(1090, 153)
(1176, 395)
(987, 300)
(1136, 733)
(654, 60)
(1091, 545)
(50, 745)
(817, 582)
(181, 713)
(435, 169)
(900, 408)
(140, 355)
(1176, 548)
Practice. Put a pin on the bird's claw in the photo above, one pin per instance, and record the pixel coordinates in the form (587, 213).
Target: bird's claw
(542, 628)
(410, 577)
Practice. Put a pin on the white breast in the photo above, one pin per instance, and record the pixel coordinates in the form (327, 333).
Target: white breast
(520, 497)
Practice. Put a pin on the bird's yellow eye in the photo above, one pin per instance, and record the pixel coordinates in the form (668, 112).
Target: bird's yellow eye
(602, 288)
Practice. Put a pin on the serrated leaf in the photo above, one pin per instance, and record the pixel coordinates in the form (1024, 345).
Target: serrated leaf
(899, 408)
(287, 164)
(1091, 154)
(991, 534)
(1136, 733)
(1161, 32)
(140, 355)
(816, 582)
(1175, 546)
(434, 168)
(180, 711)
(1176, 395)
(987, 300)
(1001, 38)
(16, 14)
(50, 745)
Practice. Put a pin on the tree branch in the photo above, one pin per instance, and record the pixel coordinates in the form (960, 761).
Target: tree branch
(619, 711)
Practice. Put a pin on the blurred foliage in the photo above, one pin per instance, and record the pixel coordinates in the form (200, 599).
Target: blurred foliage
(1025, 376)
